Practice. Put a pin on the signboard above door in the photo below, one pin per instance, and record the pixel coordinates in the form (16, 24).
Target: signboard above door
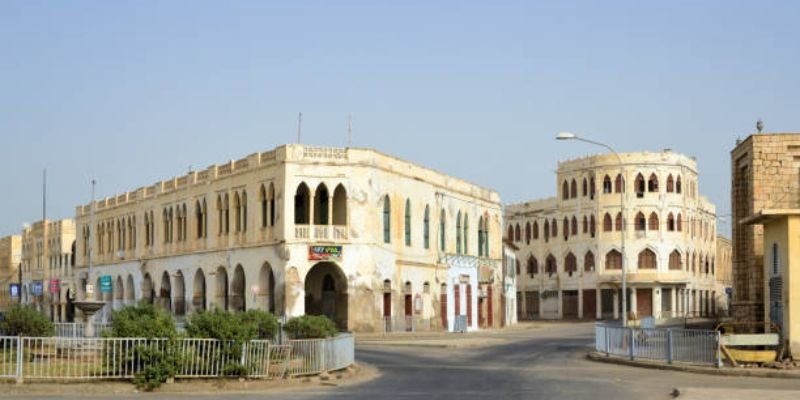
(325, 253)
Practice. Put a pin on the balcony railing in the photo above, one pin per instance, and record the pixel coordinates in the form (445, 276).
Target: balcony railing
(301, 231)
(321, 232)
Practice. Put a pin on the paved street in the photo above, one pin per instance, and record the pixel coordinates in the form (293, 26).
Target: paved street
(538, 363)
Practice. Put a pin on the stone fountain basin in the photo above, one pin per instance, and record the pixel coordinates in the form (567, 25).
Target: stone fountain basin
(90, 306)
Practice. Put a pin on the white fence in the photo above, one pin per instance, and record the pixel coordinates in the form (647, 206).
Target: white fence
(76, 330)
(669, 345)
(75, 358)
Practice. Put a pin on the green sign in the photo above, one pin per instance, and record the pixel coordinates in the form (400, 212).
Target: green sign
(105, 283)
(325, 253)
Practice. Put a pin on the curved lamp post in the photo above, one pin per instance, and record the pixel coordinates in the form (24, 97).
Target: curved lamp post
(572, 136)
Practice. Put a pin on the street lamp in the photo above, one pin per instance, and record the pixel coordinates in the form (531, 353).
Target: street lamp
(572, 136)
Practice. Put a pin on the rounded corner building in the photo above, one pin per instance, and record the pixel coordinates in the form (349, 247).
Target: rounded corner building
(569, 261)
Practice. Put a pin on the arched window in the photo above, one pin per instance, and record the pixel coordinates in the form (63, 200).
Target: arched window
(244, 211)
(585, 225)
(566, 228)
(573, 189)
(641, 223)
(565, 190)
(678, 184)
(679, 223)
(585, 188)
(550, 265)
(652, 183)
(647, 259)
(675, 261)
(271, 197)
(607, 227)
(535, 230)
(613, 260)
(480, 236)
(638, 185)
(652, 223)
(517, 235)
(262, 199)
(407, 226)
(528, 233)
(486, 235)
(237, 212)
(546, 230)
(339, 208)
(618, 222)
(607, 184)
(570, 264)
(591, 188)
(466, 234)
(670, 222)
(458, 233)
(321, 203)
(387, 220)
(670, 184)
(443, 231)
(510, 233)
(592, 229)
(588, 262)
(554, 227)
(426, 228)
(619, 184)
(533, 266)
(302, 203)
(574, 226)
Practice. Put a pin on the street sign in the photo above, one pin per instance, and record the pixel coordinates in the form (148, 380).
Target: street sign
(54, 285)
(37, 288)
(728, 290)
(105, 284)
(13, 289)
(325, 253)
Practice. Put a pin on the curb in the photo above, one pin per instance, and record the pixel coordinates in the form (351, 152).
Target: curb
(754, 373)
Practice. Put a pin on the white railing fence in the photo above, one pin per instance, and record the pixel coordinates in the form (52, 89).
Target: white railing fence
(669, 345)
(76, 329)
(76, 358)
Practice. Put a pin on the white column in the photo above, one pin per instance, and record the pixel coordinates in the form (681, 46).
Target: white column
(580, 301)
(655, 296)
(632, 296)
(673, 304)
(616, 304)
(560, 304)
(598, 303)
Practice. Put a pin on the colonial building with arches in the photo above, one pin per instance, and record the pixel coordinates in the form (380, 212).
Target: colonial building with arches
(354, 234)
(570, 256)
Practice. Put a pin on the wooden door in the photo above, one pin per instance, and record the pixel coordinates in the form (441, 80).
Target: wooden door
(469, 305)
(489, 305)
(644, 302)
(569, 306)
(443, 309)
(589, 304)
(387, 304)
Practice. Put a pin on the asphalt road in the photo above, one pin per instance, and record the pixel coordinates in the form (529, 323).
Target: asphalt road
(546, 363)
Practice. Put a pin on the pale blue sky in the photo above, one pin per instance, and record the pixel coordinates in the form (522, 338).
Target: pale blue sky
(133, 92)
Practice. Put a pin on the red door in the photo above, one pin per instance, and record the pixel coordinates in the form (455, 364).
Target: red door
(644, 302)
(443, 301)
(408, 305)
(481, 319)
(469, 305)
(457, 293)
(489, 289)
(387, 304)
(589, 303)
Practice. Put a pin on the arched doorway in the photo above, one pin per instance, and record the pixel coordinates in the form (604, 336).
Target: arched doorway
(180, 295)
(148, 293)
(238, 289)
(326, 293)
(130, 291)
(222, 288)
(119, 293)
(165, 292)
(199, 291)
(266, 288)
(70, 317)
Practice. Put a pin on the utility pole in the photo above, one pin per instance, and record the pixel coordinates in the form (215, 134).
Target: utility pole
(299, 127)
(349, 130)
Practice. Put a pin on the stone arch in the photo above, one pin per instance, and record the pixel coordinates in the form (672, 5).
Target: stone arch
(647, 259)
(238, 289)
(199, 290)
(165, 292)
(266, 287)
(321, 202)
(613, 259)
(326, 293)
(130, 290)
(148, 291)
(180, 294)
(302, 204)
(340, 205)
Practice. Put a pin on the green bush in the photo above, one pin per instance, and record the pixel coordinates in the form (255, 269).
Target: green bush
(310, 327)
(143, 321)
(160, 359)
(235, 329)
(26, 321)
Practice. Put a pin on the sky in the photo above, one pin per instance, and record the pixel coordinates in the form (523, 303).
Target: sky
(130, 93)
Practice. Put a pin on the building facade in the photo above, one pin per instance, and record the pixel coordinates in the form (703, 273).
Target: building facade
(570, 255)
(48, 249)
(10, 257)
(765, 174)
(725, 273)
(365, 238)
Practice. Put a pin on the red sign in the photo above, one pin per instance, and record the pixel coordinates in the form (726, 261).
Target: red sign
(54, 285)
(325, 253)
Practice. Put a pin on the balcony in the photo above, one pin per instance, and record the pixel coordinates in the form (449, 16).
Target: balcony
(321, 232)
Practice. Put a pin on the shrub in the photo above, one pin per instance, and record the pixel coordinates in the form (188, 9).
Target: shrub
(25, 321)
(310, 327)
(160, 359)
(235, 329)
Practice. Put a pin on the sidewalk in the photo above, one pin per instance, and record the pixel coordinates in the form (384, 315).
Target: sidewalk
(441, 339)
(724, 371)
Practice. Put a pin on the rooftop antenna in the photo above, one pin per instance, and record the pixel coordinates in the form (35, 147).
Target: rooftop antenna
(759, 125)
(299, 126)
(349, 130)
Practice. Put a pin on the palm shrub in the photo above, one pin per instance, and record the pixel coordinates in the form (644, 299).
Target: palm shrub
(310, 327)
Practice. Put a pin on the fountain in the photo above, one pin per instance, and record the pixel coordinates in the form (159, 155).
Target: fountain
(89, 308)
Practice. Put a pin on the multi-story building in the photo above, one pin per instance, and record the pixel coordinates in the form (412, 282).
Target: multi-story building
(354, 234)
(570, 254)
(48, 249)
(765, 174)
(10, 256)
(724, 274)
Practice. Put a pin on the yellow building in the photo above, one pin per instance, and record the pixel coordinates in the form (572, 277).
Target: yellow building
(781, 284)
(47, 259)
(10, 256)
(372, 241)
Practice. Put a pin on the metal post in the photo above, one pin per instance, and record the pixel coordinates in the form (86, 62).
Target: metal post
(719, 351)
(669, 346)
(19, 360)
(606, 340)
(323, 346)
(631, 349)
